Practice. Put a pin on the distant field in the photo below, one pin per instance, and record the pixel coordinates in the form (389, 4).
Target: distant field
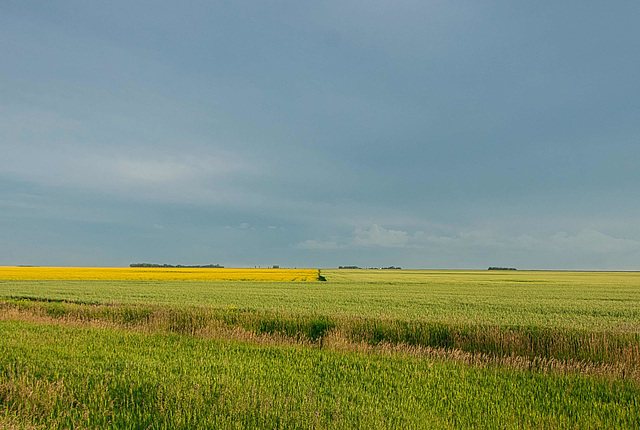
(365, 349)
(590, 300)
(156, 274)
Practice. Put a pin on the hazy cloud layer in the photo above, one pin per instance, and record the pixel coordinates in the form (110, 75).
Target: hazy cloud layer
(378, 133)
(586, 244)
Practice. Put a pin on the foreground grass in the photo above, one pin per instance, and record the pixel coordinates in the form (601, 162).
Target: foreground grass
(76, 377)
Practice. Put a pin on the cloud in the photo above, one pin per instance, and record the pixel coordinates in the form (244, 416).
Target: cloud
(592, 241)
(374, 236)
(380, 236)
(466, 238)
(162, 175)
(243, 226)
(151, 171)
(586, 243)
(314, 244)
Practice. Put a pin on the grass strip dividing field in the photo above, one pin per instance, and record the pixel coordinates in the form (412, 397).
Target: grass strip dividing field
(607, 352)
(72, 377)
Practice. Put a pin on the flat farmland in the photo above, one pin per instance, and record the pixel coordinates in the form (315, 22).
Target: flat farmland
(579, 299)
(155, 274)
(363, 349)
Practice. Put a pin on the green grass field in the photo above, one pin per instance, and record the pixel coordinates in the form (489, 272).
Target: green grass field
(594, 300)
(365, 349)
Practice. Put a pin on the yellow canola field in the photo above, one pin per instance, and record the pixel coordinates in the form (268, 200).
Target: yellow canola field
(155, 274)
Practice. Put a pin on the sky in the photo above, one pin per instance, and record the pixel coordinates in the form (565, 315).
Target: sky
(420, 134)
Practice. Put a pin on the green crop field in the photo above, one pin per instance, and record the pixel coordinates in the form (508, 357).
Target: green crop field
(365, 349)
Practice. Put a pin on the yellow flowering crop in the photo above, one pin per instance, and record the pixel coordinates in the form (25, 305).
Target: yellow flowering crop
(156, 274)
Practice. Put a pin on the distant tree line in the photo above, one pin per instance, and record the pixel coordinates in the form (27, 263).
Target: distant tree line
(502, 268)
(391, 267)
(348, 267)
(207, 266)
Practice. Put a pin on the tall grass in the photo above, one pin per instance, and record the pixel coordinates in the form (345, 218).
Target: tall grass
(619, 349)
(73, 377)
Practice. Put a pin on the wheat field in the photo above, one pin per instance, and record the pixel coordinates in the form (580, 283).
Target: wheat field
(380, 349)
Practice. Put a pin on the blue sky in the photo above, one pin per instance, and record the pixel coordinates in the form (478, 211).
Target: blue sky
(372, 133)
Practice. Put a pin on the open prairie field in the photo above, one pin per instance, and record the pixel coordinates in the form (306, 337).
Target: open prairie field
(594, 300)
(365, 349)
